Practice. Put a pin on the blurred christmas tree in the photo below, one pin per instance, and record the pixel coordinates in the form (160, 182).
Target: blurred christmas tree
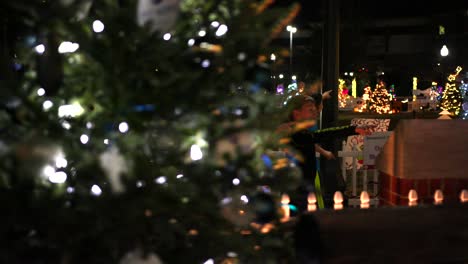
(139, 130)
(452, 98)
(379, 101)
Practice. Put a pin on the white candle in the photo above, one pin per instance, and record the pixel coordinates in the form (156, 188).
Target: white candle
(413, 198)
(311, 200)
(464, 196)
(285, 206)
(438, 197)
(365, 200)
(338, 199)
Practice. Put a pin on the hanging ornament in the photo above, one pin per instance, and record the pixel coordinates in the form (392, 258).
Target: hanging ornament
(161, 15)
(237, 209)
(114, 165)
(137, 257)
(233, 146)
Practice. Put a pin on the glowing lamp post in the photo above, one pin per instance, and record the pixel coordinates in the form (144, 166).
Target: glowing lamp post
(291, 30)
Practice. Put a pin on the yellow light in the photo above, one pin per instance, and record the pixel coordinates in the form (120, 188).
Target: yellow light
(441, 30)
(353, 88)
(72, 110)
(415, 86)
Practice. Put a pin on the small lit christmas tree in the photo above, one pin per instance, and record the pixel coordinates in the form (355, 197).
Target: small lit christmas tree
(452, 99)
(365, 98)
(343, 93)
(379, 101)
(464, 94)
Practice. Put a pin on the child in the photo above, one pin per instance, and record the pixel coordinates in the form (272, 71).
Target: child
(303, 112)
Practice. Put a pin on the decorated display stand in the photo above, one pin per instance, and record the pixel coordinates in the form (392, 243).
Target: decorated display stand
(357, 161)
(424, 156)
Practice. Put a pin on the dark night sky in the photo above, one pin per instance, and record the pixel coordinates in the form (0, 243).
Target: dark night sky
(390, 36)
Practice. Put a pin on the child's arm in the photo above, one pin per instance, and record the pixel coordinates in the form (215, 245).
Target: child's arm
(326, 95)
(327, 154)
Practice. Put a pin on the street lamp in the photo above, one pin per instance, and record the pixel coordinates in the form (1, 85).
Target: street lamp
(444, 52)
(291, 30)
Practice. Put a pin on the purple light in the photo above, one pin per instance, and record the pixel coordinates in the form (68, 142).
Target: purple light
(280, 89)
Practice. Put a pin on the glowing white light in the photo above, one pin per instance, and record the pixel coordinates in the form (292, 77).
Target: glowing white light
(98, 26)
(195, 152)
(346, 73)
(205, 63)
(291, 29)
(96, 190)
(215, 24)
(351, 73)
(58, 177)
(241, 56)
(210, 261)
(281, 76)
(48, 171)
(66, 125)
(202, 33)
(84, 139)
(123, 127)
(106, 141)
(89, 125)
(40, 91)
(179, 176)
(139, 184)
(68, 47)
(236, 181)
(221, 30)
(40, 48)
(244, 199)
(273, 57)
(444, 51)
(161, 180)
(226, 200)
(294, 77)
(191, 42)
(47, 105)
(60, 162)
(70, 190)
(383, 73)
(167, 36)
(71, 110)
(232, 254)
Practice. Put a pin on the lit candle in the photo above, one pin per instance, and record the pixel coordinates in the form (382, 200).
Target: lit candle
(365, 200)
(464, 196)
(338, 199)
(413, 198)
(311, 200)
(438, 197)
(285, 207)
